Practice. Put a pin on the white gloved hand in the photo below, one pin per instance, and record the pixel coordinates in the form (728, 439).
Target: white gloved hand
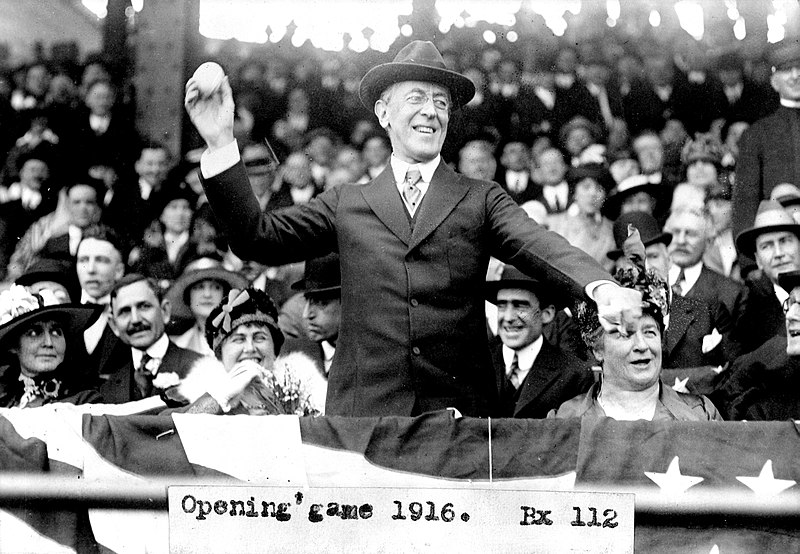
(226, 389)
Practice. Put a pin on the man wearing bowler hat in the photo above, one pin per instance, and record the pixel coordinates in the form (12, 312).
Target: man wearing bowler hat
(533, 376)
(321, 287)
(414, 244)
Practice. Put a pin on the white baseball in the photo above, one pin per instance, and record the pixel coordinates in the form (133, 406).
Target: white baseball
(208, 78)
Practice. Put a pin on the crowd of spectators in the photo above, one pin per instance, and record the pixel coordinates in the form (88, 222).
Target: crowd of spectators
(587, 141)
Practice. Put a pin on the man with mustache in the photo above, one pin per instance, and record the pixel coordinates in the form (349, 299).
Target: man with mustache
(689, 277)
(139, 315)
(774, 242)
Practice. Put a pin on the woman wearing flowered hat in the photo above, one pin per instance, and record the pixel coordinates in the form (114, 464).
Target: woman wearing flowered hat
(36, 335)
(630, 365)
(244, 335)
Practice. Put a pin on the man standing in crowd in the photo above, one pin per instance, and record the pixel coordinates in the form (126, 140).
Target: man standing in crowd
(99, 265)
(769, 152)
(476, 160)
(414, 244)
(533, 376)
(774, 242)
(139, 315)
(321, 287)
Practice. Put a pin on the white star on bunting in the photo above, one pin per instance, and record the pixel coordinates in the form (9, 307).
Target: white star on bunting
(680, 385)
(672, 482)
(765, 484)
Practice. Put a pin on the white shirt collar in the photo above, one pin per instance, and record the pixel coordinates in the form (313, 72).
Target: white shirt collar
(556, 195)
(145, 189)
(86, 299)
(157, 350)
(328, 350)
(426, 170)
(786, 102)
(74, 233)
(526, 357)
(780, 293)
(690, 276)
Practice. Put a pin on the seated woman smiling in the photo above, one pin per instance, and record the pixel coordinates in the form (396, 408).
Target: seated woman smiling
(38, 340)
(629, 387)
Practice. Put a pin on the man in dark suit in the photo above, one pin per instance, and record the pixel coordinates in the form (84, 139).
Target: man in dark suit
(139, 315)
(99, 264)
(689, 339)
(769, 152)
(762, 385)
(322, 288)
(690, 278)
(414, 245)
(774, 242)
(514, 173)
(533, 376)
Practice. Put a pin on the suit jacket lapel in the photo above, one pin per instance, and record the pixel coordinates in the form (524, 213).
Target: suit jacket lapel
(679, 319)
(444, 193)
(382, 197)
(539, 379)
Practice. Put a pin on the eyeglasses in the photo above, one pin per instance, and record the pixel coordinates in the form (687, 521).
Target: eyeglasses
(420, 99)
(788, 303)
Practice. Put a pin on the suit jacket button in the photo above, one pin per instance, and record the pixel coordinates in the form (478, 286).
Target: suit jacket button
(415, 350)
(414, 302)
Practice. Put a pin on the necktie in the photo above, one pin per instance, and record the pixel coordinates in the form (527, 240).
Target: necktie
(411, 192)
(677, 288)
(143, 377)
(513, 372)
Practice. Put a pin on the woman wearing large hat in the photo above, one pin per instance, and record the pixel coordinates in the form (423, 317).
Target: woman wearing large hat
(36, 341)
(200, 289)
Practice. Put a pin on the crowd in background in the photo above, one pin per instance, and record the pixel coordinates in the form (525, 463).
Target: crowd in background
(579, 138)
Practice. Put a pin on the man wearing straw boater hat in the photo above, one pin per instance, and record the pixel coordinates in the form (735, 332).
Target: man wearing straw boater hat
(774, 242)
(414, 244)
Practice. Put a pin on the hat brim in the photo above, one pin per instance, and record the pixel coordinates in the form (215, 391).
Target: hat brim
(789, 280)
(746, 240)
(664, 238)
(613, 202)
(382, 76)
(301, 287)
(177, 292)
(552, 297)
(76, 318)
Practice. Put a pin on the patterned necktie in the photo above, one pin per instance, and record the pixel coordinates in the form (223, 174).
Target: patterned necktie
(143, 377)
(513, 372)
(411, 192)
(677, 288)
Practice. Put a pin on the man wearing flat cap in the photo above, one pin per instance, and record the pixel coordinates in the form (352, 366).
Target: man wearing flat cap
(769, 151)
(414, 244)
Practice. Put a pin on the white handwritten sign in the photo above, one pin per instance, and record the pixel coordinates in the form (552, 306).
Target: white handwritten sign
(241, 519)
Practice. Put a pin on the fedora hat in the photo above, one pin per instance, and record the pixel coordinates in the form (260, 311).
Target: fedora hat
(201, 269)
(785, 54)
(627, 187)
(19, 308)
(417, 61)
(786, 194)
(770, 218)
(321, 275)
(649, 231)
(513, 278)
